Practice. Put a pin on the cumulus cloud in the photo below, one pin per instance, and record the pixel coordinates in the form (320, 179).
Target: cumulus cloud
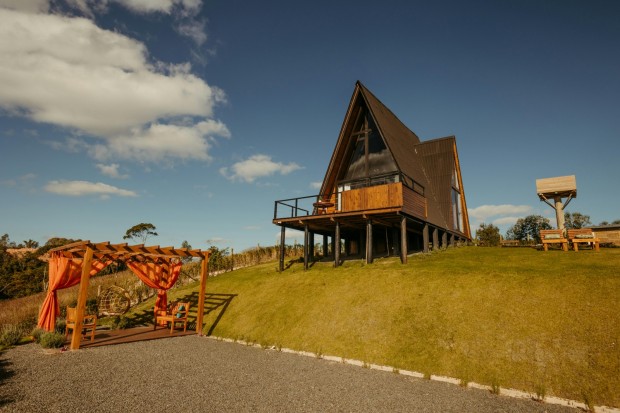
(29, 6)
(316, 185)
(162, 141)
(485, 212)
(291, 235)
(111, 170)
(85, 188)
(257, 166)
(102, 85)
(499, 215)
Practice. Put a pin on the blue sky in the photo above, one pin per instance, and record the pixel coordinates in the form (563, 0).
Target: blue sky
(197, 115)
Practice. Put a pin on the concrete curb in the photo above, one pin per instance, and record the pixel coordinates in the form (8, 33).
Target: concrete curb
(514, 393)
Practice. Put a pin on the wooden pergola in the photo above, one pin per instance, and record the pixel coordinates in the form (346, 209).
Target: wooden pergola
(105, 251)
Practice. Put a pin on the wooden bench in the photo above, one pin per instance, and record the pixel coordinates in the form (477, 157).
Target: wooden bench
(553, 236)
(510, 243)
(582, 235)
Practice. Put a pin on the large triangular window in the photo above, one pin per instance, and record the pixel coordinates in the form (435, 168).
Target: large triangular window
(370, 156)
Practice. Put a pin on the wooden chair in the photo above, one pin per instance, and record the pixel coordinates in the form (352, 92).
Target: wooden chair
(178, 314)
(582, 235)
(553, 236)
(88, 322)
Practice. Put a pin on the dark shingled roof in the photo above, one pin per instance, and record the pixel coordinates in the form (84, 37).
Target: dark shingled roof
(430, 163)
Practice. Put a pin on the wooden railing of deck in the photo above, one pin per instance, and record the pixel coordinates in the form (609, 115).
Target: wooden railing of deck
(393, 195)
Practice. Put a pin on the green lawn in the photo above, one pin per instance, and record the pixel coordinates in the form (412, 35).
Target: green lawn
(547, 323)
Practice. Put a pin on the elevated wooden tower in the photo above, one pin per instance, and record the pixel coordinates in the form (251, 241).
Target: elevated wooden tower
(556, 189)
(385, 192)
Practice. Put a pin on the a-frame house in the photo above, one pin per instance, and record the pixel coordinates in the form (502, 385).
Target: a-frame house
(385, 192)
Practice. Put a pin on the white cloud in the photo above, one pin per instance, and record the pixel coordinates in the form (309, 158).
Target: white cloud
(85, 188)
(316, 185)
(164, 6)
(161, 141)
(69, 72)
(257, 166)
(291, 234)
(505, 221)
(484, 212)
(29, 6)
(216, 240)
(111, 170)
(195, 30)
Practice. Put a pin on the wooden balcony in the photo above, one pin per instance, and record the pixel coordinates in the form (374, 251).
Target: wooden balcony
(392, 196)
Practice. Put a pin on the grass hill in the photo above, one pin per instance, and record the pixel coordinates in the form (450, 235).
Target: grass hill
(548, 323)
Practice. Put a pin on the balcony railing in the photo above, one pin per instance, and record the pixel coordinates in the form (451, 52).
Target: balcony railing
(352, 198)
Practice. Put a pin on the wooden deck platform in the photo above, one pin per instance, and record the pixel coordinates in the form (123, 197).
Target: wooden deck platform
(111, 337)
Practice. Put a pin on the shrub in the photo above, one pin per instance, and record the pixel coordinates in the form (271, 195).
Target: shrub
(60, 326)
(36, 334)
(10, 335)
(52, 340)
(123, 323)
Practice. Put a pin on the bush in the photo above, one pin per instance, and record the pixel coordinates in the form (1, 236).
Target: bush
(36, 334)
(10, 335)
(52, 340)
(60, 326)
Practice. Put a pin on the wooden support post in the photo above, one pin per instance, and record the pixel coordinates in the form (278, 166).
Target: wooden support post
(403, 240)
(325, 250)
(425, 237)
(337, 246)
(435, 239)
(81, 304)
(444, 240)
(452, 240)
(395, 243)
(369, 242)
(306, 246)
(282, 247)
(204, 275)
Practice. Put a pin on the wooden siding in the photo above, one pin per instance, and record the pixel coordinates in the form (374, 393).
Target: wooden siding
(608, 235)
(372, 197)
(557, 185)
(414, 203)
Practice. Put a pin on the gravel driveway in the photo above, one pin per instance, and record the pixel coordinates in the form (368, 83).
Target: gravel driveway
(195, 374)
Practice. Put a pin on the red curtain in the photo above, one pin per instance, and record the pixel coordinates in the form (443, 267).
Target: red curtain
(161, 275)
(63, 273)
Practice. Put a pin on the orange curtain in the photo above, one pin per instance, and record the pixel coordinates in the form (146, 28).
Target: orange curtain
(160, 275)
(63, 273)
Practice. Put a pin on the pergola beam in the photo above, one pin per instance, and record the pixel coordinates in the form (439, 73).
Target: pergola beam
(105, 251)
(81, 304)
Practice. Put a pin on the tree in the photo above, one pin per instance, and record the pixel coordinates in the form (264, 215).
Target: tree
(141, 231)
(186, 245)
(576, 220)
(616, 222)
(488, 235)
(31, 244)
(5, 242)
(528, 228)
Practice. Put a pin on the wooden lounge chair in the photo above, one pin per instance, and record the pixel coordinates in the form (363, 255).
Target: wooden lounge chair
(553, 236)
(89, 322)
(178, 314)
(582, 235)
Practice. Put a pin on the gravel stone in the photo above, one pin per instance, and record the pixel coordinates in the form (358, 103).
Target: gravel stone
(195, 374)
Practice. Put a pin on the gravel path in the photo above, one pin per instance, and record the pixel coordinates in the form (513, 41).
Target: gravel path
(195, 374)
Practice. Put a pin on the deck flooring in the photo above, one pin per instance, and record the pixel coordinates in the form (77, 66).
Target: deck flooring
(130, 335)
